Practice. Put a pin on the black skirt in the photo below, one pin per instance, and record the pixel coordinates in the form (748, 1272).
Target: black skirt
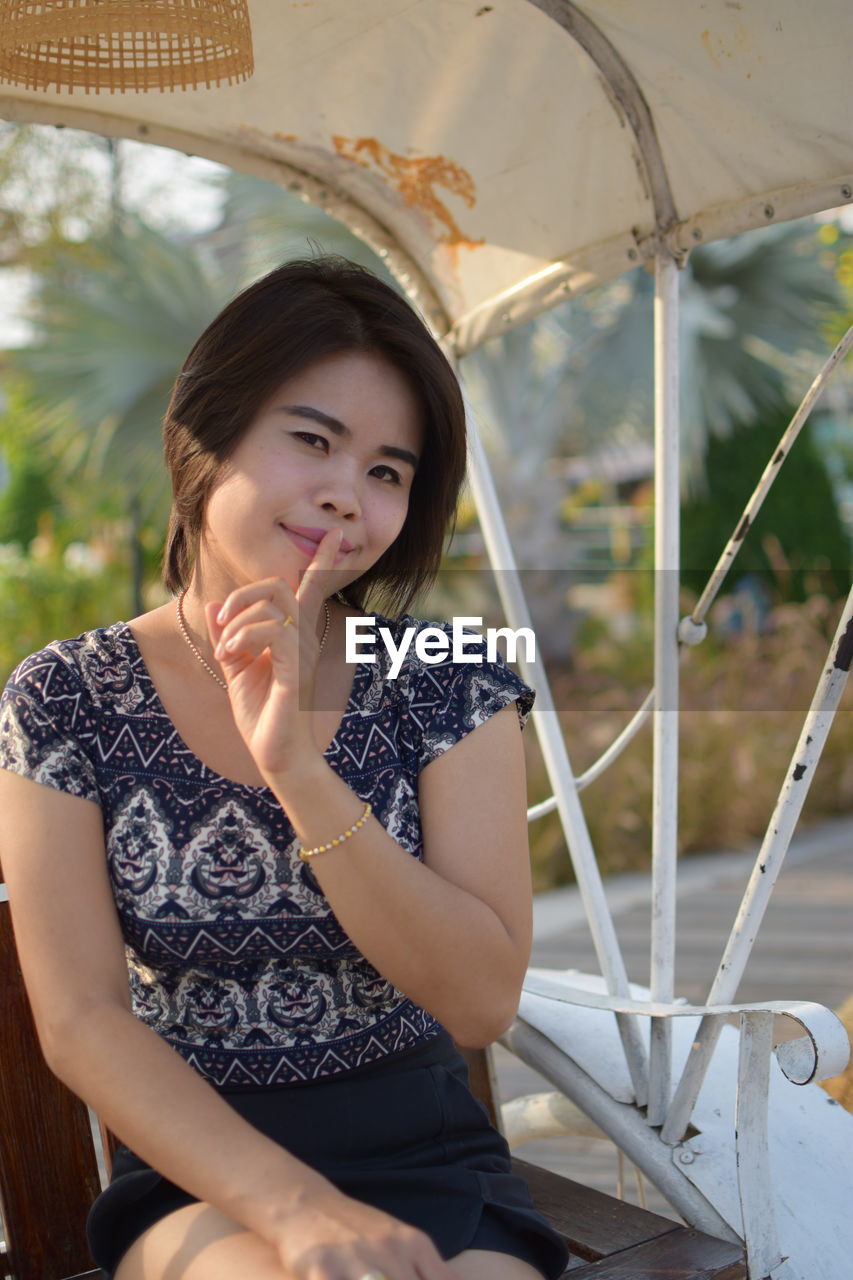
(404, 1134)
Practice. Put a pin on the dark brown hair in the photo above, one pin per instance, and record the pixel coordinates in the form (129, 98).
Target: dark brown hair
(284, 322)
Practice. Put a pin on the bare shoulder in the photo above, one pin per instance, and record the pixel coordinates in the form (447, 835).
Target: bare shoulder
(161, 645)
(157, 626)
(488, 757)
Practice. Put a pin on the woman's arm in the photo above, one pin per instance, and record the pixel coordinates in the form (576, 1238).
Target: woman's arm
(72, 956)
(454, 932)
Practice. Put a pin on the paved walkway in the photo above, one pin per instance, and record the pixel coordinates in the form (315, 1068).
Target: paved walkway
(804, 951)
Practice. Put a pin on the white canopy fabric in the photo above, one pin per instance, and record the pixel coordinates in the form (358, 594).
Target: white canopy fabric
(505, 156)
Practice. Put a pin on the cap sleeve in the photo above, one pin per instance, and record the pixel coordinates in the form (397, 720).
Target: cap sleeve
(450, 698)
(42, 729)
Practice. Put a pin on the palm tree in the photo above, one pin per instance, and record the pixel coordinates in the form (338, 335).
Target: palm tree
(578, 382)
(264, 225)
(748, 306)
(115, 319)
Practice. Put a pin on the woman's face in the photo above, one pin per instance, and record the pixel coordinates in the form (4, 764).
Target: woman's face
(335, 448)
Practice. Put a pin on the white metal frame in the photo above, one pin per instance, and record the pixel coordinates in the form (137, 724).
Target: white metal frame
(820, 1053)
(647, 1136)
(658, 1121)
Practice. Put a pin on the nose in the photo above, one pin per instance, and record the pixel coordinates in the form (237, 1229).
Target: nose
(340, 492)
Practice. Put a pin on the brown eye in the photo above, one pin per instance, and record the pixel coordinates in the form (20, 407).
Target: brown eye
(310, 438)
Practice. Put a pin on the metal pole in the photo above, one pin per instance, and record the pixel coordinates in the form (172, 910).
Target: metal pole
(665, 713)
(557, 761)
(768, 864)
(604, 761)
(769, 475)
(622, 1123)
(752, 1145)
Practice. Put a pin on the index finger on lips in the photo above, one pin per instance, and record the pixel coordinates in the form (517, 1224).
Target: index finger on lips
(314, 588)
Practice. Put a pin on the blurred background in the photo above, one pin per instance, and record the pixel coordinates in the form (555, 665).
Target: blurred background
(114, 256)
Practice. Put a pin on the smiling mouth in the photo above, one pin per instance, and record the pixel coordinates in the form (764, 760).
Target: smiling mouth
(309, 545)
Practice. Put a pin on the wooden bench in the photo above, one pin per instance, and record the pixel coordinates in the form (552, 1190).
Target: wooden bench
(49, 1177)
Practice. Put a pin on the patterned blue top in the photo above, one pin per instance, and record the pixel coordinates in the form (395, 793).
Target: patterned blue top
(234, 954)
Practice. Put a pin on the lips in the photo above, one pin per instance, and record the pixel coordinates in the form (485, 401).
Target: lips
(308, 539)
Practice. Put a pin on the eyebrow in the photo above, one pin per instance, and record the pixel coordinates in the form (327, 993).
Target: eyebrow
(340, 429)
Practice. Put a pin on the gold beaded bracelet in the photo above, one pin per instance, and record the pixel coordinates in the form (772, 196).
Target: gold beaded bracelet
(305, 854)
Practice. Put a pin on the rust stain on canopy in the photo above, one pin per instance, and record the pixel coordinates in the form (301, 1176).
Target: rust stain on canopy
(416, 178)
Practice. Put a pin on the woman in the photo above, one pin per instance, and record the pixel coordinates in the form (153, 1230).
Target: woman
(314, 876)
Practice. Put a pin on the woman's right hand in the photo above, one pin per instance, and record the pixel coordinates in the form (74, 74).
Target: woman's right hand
(333, 1237)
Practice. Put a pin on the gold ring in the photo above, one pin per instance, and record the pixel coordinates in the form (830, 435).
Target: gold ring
(287, 621)
(374, 1275)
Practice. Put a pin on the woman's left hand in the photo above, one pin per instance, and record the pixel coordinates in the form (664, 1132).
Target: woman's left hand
(264, 638)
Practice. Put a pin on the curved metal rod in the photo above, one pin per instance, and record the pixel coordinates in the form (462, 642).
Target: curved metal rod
(820, 1051)
(605, 760)
(541, 809)
(627, 93)
(619, 743)
(768, 476)
(622, 1122)
(712, 587)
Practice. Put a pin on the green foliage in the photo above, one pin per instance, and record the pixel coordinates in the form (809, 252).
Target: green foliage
(840, 321)
(52, 191)
(264, 225)
(65, 549)
(27, 495)
(115, 323)
(758, 299)
(28, 482)
(797, 544)
(58, 589)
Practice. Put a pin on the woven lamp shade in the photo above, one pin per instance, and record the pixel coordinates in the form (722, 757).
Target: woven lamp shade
(122, 46)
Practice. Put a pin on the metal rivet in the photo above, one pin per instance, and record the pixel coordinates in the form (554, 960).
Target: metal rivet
(769, 211)
(847, 192)
(686, 1157)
